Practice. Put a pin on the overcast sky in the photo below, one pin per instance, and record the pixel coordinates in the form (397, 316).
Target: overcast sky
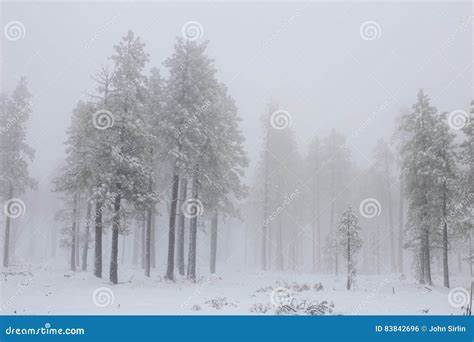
(311, 57)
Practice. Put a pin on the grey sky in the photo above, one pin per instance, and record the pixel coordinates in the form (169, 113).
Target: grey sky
(309, 56)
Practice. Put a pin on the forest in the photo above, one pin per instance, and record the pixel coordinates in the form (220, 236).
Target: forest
(157, 196)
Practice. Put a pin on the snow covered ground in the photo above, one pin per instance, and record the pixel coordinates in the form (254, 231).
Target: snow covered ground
(38, 290)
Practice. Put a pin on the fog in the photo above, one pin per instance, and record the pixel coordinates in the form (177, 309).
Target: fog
(313, 58)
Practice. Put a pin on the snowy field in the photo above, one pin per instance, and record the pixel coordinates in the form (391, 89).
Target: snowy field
(51, 291)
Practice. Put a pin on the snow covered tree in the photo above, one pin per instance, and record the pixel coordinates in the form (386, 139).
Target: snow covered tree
(188, 91)
(350, 242)
(157, 151)
(81, 172)
(279, 172)
(418, 156)
(384, 161)
(314, 167)
(444, 195)
(202, 135)
(337, 163)
(128, 172)
(14, 152)
(464, 209)
(222, 163)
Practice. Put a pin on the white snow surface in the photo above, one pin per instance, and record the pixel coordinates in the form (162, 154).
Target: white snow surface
(52, 291)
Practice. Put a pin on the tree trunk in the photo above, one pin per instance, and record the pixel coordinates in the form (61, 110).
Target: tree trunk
(393, 266)
(193, 234)
(265, 213)
(148, 234)
(318, 224)
(153, 239)
(470, 255)
(400, 229)
(115, 234)
(181, 222)
(73, 236)
(427, 258)
(6, 244)
(313, 225)
(422, 264)
(281, 263)
(213, 242)
(349, 270)
(136, 243)
(85, 251)
(78, 244)
(142, 241)
(98, 240)
(148, 243)
(445, 241)
(171, 236)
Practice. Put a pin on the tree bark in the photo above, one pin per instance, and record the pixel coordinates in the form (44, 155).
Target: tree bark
(445, 240)
(265, 212)
(393, 266)
(171, 236)
(148, 243)
(98, 240)
(153, 239)
(281, 263)
(349, 270)
(6, 244)
(427, 258)
(181, 223)
(115, 233)
(191, 274)
(400, 229)
(73, 236)
(213, 242)
(142, 241)
(86, 237)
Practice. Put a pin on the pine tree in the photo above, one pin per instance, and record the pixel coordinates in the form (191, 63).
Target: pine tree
(14, 152)
(128, 171)
(336, 161)
(350, 242)
(384, 161)
(444, 194)
(315, 168)
(196, 117)
(418, 151)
